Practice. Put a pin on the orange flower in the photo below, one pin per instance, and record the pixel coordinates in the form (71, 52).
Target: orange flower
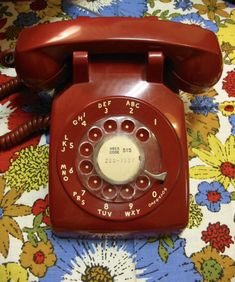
(37, 258)
(211, 8)
(213, 266)
(9, 210)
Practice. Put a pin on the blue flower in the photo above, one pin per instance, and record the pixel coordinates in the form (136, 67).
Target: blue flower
(78, 258)
(151, 268)
(26, 19)
(203, 105)
(183, 4)
(212, 195)
(120, 260)
(194, 18)
(124, 8)
(232, 122)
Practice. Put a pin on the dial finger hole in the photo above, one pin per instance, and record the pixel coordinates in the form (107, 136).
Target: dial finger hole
(109, 192)
(95, 134)
(86, 167)
(127, 192)
(142, 134)
(86, 149)
(94, 182)
(142, 182)
(110, 125)
(128, 126)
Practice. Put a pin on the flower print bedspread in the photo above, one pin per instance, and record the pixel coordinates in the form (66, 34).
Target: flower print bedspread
(205, 250)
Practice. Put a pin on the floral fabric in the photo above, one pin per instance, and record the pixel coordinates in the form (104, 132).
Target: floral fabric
(205, 250)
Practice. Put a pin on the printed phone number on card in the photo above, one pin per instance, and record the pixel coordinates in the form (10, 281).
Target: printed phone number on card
(120, 160)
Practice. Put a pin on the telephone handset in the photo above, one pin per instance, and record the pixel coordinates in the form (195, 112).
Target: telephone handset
(185, 48)
(118, 151)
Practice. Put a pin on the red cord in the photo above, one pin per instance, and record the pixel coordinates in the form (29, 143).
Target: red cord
(10, 87)
(25, 130)
(22, 132)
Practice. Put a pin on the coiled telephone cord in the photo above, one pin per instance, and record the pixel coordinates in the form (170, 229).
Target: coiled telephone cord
(22, 132)
(10, 87)
(25, 130)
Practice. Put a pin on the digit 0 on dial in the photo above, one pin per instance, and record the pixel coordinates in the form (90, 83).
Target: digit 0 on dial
(118, 159)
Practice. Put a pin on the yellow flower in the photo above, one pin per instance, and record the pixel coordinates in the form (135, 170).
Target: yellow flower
(37, 258)
(226, 35)
(213, 266)
(50, 8)
(227, 108)
(30, 169)
(12, 271)
(195, 214)
(211, 8)
(8, 210)
(220, 161)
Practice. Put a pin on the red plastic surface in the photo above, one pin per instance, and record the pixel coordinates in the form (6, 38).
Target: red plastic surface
(185, 48)
(74, 130)
(117, 67)
(113, 82)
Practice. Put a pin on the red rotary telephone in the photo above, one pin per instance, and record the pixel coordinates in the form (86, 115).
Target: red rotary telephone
(118, 150)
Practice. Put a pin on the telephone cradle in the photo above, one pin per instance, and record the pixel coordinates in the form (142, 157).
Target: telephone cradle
(118, 163)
